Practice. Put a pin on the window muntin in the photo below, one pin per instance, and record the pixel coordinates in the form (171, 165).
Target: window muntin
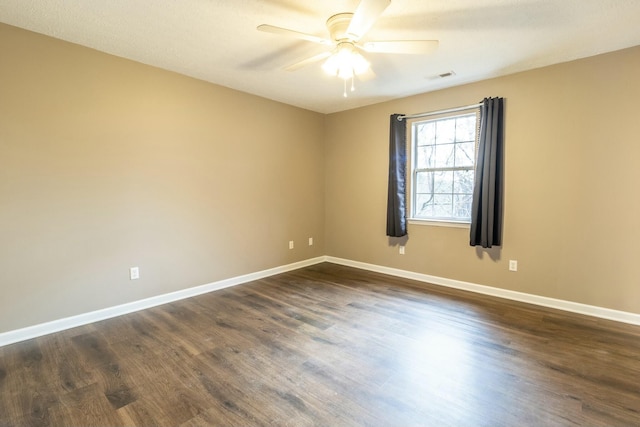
(442, 171)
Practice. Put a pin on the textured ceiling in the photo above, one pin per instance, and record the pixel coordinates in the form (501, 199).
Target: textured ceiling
(217, 40)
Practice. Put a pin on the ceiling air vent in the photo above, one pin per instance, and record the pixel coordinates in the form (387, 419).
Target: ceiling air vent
(442, 75)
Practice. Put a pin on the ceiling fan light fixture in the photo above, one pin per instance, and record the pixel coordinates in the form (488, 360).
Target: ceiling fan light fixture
(346, 31)
(345, 62)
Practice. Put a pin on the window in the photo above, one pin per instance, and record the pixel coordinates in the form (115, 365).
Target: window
(443, 153)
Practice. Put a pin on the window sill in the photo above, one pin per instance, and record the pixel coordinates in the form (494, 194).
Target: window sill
(435, 223)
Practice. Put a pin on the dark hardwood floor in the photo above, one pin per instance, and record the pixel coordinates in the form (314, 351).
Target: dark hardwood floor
(329, 346)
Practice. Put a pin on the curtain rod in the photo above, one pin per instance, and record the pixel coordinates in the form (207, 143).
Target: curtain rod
(434, 113)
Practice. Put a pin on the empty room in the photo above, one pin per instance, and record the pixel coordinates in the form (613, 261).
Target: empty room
(305, 213)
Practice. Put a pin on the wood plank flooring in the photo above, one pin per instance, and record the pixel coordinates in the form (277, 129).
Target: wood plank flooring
(329, 345)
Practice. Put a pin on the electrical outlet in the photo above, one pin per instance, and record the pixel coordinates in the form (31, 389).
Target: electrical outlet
(290, 244)
(310, 241)
(134, 273)
(401, 250)
(513, 265)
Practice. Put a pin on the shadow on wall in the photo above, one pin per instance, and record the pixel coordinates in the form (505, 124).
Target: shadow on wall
(398, 241)
(495, 253)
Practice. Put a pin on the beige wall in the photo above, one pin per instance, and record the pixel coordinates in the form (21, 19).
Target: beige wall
(107, 164)
(572, 207)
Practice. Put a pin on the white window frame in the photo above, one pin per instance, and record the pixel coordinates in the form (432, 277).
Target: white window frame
(411, 149)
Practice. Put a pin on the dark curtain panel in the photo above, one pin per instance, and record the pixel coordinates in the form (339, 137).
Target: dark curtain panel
(486, 210)
(396, 203)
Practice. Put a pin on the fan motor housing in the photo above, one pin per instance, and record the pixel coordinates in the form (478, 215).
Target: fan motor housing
(338, 25)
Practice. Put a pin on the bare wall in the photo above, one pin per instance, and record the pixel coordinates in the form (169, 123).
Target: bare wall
(572, 202)
(107, 164)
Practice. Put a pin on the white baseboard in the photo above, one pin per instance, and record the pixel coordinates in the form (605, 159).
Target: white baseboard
(574, 307)
(35, 331)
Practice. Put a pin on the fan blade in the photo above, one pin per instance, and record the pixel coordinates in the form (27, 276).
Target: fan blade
(365, 16)
(308, 61)
(303, 36)
(408, 47)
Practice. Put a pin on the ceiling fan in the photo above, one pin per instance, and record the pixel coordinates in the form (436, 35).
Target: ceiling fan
(343, 58)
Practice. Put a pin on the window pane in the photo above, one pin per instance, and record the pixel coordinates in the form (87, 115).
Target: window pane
(465, 154)
(443, 182)
(426, 133)
(462, 206)
(445, 131)
(444, 150)
(425, 156)
(424, 206)
(424, 182)
(463, 182)
(466, 128)
(443, 206)
(444, 156)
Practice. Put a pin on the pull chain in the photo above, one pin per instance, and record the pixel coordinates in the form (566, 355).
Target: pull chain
(353, 86)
